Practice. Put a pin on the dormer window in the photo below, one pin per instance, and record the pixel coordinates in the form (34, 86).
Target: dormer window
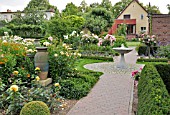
(141, 16)
(126, 16)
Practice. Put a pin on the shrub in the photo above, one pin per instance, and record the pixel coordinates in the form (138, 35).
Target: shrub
(142, 50)
(152, 93)
(35, 108)
(61, 61)
(164, 71)
(120, 40)
(4, 29)
(164, 51)
(74, 88)
(152, 60)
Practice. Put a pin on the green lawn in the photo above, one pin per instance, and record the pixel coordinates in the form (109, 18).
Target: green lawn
(132, 43)
(81, 62)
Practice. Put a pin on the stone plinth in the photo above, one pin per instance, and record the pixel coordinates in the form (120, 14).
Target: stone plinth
(45, 82)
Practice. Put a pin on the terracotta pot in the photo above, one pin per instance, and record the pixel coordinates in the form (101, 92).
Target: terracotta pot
(41, 61)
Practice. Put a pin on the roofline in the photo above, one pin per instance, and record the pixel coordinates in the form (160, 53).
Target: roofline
(129, 5)
(24, 12)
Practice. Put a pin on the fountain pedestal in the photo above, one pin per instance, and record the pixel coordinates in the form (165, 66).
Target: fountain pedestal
(122, 50)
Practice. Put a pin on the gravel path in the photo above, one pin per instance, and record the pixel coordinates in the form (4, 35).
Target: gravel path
(112, 94)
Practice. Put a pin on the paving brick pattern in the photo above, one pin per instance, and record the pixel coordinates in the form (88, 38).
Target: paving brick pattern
(112, 93)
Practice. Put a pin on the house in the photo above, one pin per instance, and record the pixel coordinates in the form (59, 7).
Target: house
(9, 15)
(135, 17)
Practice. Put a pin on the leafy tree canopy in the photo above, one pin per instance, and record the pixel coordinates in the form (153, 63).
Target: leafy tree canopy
(106, 4)
(152, 9)
(119, 6)
(98, 20)
(38, 5)
(71, 9)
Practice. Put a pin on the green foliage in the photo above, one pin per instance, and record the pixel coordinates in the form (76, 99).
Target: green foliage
(61, 61)
(38, 5)
(152, 60)
(77, 22)
(106, 4)
(168, 6)
(98, 20)
(121, 30)
(120, 40)
(35, 108)
(27, 31)
(65, 25)
(98, 58)
(163, 70)
(71, 9)
(152, 94)
(152, 9)
(142, 50)
(74, 88)
(164, 51)
(79, 86)
(119, 6)
(5, 29)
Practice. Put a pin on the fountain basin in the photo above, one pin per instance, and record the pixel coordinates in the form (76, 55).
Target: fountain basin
(122, 50)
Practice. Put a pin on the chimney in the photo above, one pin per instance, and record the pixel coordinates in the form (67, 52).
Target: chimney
(8, 10)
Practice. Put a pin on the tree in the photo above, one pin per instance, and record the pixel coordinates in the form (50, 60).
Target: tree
(71, 9)
(84, 7)
(152, 9)
(38, 5)
(168, 6)
(98, 20)
(119, 6)
(106, 4)
(65, 25)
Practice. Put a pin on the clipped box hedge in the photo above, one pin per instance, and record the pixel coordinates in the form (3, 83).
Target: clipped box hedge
(164, 71)
(152, 60)
(153, 97)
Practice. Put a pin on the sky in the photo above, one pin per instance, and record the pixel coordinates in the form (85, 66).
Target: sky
(15, 5)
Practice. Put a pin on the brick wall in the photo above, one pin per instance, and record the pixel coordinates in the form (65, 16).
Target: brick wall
(161, 27)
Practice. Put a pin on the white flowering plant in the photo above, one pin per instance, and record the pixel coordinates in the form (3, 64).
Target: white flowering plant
(149, 40)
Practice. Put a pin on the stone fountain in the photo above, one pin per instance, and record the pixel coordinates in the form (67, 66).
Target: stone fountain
(122, 50)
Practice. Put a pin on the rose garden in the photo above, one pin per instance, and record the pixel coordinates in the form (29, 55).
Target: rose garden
(43, 72)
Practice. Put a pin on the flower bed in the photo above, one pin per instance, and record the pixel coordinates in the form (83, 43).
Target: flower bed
(152, 93)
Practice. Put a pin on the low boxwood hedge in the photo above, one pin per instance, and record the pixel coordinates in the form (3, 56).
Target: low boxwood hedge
(164, 71)
(152, 60)
(98, 58)
(153, 97)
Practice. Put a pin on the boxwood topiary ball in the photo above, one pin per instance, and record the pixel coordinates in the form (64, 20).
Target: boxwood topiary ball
(35, 108)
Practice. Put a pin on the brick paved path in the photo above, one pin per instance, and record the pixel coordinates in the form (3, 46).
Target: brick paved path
(112, 94)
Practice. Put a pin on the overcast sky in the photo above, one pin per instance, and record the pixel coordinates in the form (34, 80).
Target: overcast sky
(21, 4)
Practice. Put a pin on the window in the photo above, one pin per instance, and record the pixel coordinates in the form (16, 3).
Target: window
(5, 16)
(141, 16)
(11, 16)
(143, 29)
(131, 29)
(127, 16)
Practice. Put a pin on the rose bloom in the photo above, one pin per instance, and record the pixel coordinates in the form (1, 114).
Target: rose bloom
(15, 72)
(57, 84)
(14, 88)
(55, 55)
(37, 78)
(37, 69)
(28, 75)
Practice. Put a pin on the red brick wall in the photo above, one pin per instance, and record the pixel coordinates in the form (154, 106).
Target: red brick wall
(161, 27)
